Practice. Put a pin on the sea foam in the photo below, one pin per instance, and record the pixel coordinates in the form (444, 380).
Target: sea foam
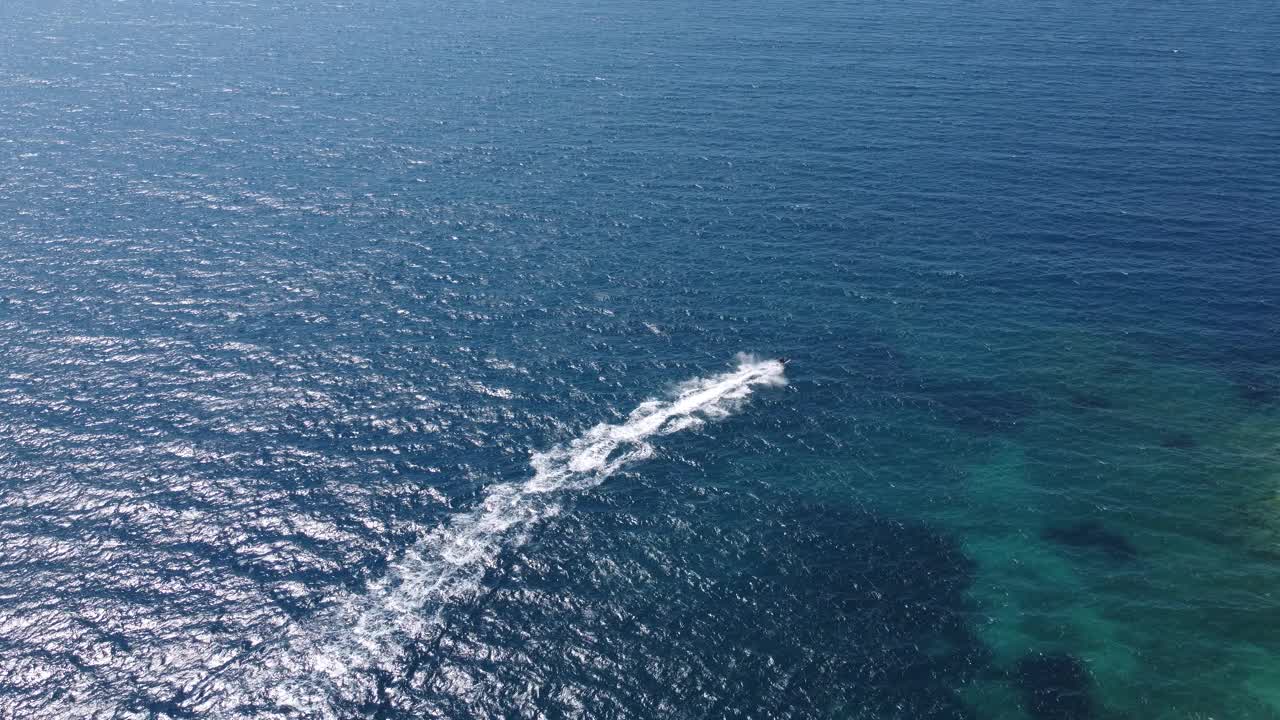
(332, 658)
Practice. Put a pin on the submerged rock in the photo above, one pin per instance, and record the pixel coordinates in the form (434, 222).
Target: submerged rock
(1055, 686)
(1258, 390)
(1092, 534)
(980, 405)
(1091, 401)
(1179, 441)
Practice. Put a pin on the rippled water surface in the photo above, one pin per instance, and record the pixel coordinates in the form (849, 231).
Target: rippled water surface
(400, 360)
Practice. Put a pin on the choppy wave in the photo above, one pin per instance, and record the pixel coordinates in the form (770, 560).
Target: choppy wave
(338, 656)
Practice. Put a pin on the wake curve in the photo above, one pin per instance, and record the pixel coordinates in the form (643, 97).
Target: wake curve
(333, 657)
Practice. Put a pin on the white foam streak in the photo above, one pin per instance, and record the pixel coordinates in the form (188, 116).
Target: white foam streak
(373, 630)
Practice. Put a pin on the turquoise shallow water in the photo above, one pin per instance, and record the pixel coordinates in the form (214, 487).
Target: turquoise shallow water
(378, 360)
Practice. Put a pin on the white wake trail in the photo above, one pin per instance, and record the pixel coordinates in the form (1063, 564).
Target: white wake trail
(325, 660)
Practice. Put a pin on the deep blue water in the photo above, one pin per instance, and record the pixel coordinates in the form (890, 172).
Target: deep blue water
(398, 360)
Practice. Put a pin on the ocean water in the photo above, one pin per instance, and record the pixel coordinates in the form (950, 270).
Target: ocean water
(378, 359)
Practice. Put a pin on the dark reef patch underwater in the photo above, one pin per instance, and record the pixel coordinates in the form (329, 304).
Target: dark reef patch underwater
(380, 359)
(738, 607)
(1093, 535)
(1055, 687)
